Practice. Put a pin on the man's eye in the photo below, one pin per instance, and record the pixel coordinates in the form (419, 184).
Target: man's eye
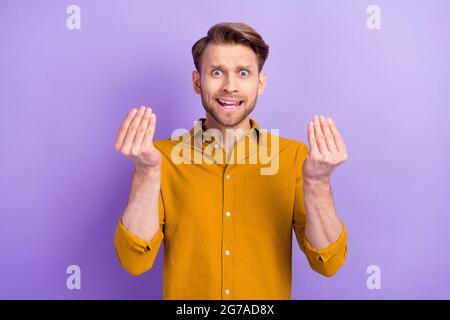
(244, 73)
(217, 72)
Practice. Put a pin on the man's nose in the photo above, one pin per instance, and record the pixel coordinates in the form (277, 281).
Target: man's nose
(230, 84)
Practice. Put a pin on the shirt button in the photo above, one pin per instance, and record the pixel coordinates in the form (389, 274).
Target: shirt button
(227, 252)
(228, 177)
(228, 213)
(227, 292)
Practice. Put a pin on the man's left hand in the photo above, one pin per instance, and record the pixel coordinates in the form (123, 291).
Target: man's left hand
(327, 150)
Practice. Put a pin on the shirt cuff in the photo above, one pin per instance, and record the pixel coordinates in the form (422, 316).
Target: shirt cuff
(327, 253)
(129, 239)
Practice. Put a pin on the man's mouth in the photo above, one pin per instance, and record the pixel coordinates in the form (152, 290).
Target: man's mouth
(229, 104)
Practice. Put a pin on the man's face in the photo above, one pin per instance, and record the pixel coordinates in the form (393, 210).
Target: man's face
(229, 82)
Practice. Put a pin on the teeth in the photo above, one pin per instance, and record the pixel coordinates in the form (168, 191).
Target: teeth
(228, 103)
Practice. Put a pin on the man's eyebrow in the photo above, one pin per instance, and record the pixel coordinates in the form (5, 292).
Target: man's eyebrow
(245, 67)
(219, 66)
(214, 66)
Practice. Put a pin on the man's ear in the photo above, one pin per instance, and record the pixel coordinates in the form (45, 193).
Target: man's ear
(262, 83)
(196, 82)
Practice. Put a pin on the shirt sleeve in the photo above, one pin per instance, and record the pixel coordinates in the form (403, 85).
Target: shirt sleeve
(326, 261)
(137, 255)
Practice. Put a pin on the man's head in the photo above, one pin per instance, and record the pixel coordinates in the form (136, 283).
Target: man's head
(229, 77)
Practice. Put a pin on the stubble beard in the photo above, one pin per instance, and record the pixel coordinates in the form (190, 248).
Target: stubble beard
(222, 120)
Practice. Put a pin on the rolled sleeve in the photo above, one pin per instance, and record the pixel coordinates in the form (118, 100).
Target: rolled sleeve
(135, 254)
(326, 261)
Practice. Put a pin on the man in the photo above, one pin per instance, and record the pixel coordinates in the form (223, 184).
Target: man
(227, 225)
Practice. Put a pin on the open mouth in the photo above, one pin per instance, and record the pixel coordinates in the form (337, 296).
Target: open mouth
(229, 104)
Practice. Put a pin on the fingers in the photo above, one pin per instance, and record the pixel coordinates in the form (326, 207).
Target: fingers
(342, 149)
(139, 137)
(320, 137)
(313, 148)
(148, 137)
(131, 132)
(329, 139)
(124, 128)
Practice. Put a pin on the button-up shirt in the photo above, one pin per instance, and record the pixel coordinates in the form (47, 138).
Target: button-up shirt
(227, 222)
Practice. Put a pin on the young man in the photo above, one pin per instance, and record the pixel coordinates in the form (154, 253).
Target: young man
(226, 220)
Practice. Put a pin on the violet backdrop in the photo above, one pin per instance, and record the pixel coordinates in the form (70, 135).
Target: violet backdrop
(63, 94)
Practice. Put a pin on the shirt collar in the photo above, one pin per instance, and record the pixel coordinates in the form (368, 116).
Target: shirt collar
(199, 134)
(198, 138)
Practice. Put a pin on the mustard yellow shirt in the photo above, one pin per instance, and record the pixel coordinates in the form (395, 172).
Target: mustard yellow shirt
(226, 226)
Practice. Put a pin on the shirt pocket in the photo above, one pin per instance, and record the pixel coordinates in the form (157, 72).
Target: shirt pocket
(266, 201)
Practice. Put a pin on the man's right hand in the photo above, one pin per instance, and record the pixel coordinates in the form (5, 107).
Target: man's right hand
(135, 140)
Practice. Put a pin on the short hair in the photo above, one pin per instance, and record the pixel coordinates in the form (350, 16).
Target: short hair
(232, 33)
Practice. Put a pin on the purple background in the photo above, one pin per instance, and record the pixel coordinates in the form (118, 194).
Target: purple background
(64, 93)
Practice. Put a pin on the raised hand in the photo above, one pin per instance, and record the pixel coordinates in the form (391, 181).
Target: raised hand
(135, 139)
(327, 150)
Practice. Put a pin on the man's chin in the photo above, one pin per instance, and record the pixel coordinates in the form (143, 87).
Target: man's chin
(228, 120)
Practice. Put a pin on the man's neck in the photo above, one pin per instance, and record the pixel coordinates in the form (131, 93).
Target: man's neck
(210, 122)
